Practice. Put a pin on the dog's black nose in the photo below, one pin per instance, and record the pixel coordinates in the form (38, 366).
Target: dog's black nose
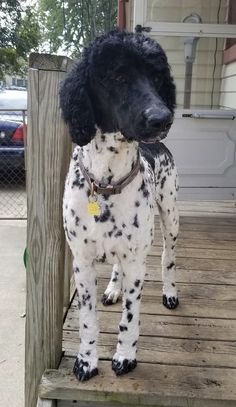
(158, 120)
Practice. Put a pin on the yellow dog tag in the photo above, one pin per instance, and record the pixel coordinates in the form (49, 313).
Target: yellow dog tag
(93, 208)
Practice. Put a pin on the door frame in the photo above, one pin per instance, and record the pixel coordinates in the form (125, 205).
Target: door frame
(181, 29)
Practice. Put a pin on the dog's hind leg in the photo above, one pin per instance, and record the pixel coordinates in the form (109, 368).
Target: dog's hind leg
(124, 359)
(169, 220)
(86, 362)
(113, 290)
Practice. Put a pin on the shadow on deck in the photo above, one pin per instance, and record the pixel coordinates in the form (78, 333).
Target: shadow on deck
(186, 357)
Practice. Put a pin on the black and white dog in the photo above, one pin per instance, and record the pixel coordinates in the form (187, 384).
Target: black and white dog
(118, 102)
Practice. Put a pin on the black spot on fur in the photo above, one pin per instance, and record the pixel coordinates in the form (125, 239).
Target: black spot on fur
(170, 266)
(132, 291)
(136, 223)
(104, 216)
(113, 149)
(163, 182)
(85, 326)
(137, 283)
(84, 227)
(103, 258)
(137, 203)
(123, 328)
(129, 316)
(134, 343)
(91, 342)
(128, 303)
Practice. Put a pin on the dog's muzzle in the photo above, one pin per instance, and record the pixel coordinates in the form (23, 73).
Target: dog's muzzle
(157, 124)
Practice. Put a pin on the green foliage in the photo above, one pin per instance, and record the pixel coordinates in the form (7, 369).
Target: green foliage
(53, 26)
(69, 25)
(19, 34)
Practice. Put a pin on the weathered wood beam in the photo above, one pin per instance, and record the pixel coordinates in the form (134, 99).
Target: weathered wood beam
(48, 152)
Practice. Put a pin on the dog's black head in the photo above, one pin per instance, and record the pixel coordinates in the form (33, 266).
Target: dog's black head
(122, 83)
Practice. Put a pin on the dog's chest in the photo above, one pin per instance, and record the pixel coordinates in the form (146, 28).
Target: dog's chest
(123, 229)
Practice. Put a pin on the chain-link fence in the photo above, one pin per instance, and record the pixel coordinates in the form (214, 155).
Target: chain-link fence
(12, 164)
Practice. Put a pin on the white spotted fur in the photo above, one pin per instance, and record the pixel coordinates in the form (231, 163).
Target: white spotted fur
(89, 240)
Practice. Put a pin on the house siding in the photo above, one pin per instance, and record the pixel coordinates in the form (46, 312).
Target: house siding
(228, 86)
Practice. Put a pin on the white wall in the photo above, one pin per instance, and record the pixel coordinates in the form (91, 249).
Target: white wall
(228, 86)
(209, 59)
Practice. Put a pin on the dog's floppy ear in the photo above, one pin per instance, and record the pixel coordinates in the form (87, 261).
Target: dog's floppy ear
(76, 106)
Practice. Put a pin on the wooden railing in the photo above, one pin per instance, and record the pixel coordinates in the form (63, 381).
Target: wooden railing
(49, 261)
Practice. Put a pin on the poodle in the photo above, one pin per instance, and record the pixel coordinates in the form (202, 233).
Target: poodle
(118, 102)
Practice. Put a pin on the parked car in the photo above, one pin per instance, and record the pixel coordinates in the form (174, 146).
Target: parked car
(12, 105)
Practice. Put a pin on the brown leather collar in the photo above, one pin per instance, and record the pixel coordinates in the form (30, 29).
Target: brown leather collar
(109, 189)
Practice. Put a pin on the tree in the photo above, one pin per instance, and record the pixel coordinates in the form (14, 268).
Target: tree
(19, 34)
(69, 25)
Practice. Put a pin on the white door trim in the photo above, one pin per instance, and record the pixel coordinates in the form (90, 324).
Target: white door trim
(181, 29)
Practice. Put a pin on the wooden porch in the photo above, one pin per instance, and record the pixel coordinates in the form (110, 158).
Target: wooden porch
(186, 357)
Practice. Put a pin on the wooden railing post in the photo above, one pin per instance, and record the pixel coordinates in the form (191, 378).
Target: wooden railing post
(48, 152)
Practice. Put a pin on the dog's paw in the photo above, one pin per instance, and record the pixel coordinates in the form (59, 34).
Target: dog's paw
(83, 370)
(111, 297)
(123, 366)
(170, 302)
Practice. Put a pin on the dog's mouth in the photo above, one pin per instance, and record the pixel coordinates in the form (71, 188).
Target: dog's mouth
(153, 138)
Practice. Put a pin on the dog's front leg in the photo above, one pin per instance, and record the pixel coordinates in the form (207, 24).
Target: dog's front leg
(169, 218)
(86, 362)
(124, 359)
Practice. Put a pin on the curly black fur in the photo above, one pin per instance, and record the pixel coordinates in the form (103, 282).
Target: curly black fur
(119, 77)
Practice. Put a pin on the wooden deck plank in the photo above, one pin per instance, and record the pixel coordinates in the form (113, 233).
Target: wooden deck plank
(197, 253)
(208, 208)
(198, 300)
(204, 235)
(187, 356)
(186, 263)
(183, 275)
(188, 242)
(147, 384)
(204, 227)
(220, 220)
(166, 326)
(174, 351)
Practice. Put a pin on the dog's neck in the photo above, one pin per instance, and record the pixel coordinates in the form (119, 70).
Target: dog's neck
(109, 156)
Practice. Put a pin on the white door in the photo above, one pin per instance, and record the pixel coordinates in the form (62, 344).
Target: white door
(203, 136)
